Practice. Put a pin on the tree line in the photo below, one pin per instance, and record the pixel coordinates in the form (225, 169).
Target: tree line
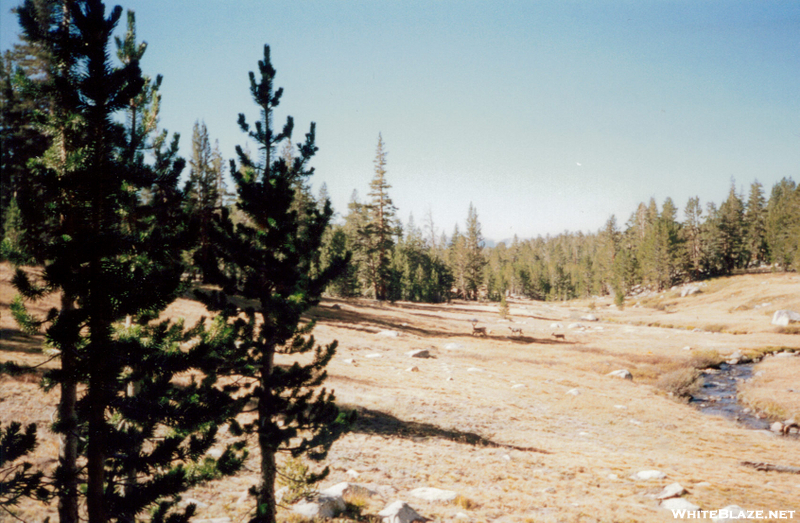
(94, 205)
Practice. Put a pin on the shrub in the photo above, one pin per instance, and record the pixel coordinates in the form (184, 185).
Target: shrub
(296, 475)
(703, 359)
(682, 383)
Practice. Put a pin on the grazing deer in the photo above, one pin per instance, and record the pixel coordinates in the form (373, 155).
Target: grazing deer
(478, 330)
(515, 331)
(559, 336)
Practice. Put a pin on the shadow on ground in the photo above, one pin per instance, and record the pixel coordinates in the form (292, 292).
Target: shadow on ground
(383, 424)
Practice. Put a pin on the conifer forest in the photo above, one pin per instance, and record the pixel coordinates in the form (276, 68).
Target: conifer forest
(98, 209)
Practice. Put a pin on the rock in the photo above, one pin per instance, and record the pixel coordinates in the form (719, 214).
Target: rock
(687, 348)
(419, 353)
(730, 513)
(475, 369)
(649, 474)
(434, 494)
(413, 369)
(389, 334)
(589, 317)
(348, 489)
(784, 317)
(671, 491)
(621, 373)
(737, 355)
(785, 354)
(353, 473)
(688, 291)
(678, 504)
(400, 512)
(374, 355)
(556, 326)
(453, 346)
(335, 306)
(518, 386)
(461, 515)
(214, 453)
(574, 392)
(776, 427)
(613, 477)
(349, 361)
(697, 329)
(574, 326)
(320, 506)
(620, 407)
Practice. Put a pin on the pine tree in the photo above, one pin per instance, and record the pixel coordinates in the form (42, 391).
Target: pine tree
(732, 232)
(783, 224)
(755, 215)
(691, 235)
(17, 480)
(270, 257)
(379, 232)
(476, 261)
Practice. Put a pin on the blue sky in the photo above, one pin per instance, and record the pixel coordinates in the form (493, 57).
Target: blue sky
(547, 116)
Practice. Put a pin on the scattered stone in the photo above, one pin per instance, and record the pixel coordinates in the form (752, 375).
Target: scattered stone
(348, 489)
(400, 512)
(621, 373)
(697, 329)
(419, 353)
(785, 354)
(374, 355)
(353, 473)
(413, 369)
(518, 386)
(389, 334)
(475, 369)
(214, 453)
(687, 348)
(350, 361)
(575, 326)
(589, 317)
(319, 506)
(776, 427)
(620, 407)
(678, 504)
(613, 477)
(434, 494)
(574, 392)
(730, 513)
(784, 317)
(453, 346)
(671, 491)
(649, 474)
(556, 326)
(461, 515)
(449, 378)
(703, 484)
(635, 421)
(689, 290)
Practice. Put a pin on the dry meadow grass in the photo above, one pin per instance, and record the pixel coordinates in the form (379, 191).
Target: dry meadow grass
(491, 417)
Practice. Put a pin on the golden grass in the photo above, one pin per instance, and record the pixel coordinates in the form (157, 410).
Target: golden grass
(491, 418)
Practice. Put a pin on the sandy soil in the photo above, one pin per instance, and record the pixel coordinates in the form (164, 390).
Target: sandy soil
(493, 419)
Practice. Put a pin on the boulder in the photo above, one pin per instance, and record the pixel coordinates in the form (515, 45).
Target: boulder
(413, 369)
(434, 494)
(730, 513)
(400, 512)
(649, 474)
(348, 489)
(589, 317)
(674, 490)
(776, 427)
(574, 392)
(688, 291)
(374, 355)
(621, 373)
(518, 386)
(320, 506)
(389, 334)
(419, 353)
(678, 504)
(785, 317)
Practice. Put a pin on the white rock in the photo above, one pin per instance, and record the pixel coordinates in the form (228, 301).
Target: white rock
(419, 353)
(475, 369)
(672, 491)
(518, 386)
(413, 369)
(349, 361)
(613, 476)
(374, 355)
(730, 513)
(574, 392)
(400, 512)
(687, 348)
(785, 354)
(353, 473)
(620, 407)
(453, 346)
(621, 373)
(461, 515)
(649, 474)
(348, 489)
(776, 427)
(785, 317)
(574, 326)
(556, 326)
(389, 334)
(589, 317)
(434, 494)
(214, 453)
(678, 504)
(320, 506)
(688, 291)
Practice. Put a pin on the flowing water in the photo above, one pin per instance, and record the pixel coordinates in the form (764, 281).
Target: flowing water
(718, 396)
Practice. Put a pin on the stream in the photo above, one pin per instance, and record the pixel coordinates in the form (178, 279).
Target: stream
(717, 396)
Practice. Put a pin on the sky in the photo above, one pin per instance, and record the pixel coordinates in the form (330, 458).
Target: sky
(545, 115)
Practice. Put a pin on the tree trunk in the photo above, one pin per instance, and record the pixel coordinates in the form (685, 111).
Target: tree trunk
(267, 506)
(68, 421)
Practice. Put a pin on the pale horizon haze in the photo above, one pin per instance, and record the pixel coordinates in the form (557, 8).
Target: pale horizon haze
(547, 116)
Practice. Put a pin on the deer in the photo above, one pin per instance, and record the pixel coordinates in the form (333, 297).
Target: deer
(478, 330)
(559, 336)
(515, 331)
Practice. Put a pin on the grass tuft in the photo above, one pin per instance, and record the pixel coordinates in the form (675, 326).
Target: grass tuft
(682, 383)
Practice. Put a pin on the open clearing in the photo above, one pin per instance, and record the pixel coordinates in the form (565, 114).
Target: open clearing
(524, 427)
